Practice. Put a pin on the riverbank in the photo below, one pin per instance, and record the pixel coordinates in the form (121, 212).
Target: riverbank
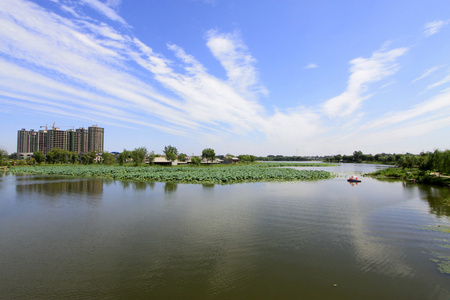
(184, 174)
(413, 175)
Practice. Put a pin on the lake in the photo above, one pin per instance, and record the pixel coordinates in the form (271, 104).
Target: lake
(65, 238)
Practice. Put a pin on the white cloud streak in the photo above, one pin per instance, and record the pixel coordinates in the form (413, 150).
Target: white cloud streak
(434, 27)
(106, 10)
(311, 66)
(363, 72)
(237, 61)
(439, 83)
(435, 105)
(86, 69)
(427, 73)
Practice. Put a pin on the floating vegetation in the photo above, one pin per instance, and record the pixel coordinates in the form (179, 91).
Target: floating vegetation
(440, 228)
(182, 174)
(443, 261)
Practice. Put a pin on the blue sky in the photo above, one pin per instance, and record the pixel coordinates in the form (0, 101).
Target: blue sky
(241, 77)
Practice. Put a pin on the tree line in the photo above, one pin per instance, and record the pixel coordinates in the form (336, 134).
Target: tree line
(425, 161)
(136, 156)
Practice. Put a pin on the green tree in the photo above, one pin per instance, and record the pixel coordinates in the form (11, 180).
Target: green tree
(108, 158)
(88, 158)
(410, 160)
(138, 155)
(182, 157)
(438, 160)
(123, 156)
(401, 161)
(424, 162)
(151, 157)
(195, 160)
(31, 161)
(62, 156)
(39, 157)
(247, 158)
(358, 156)
(209, 154)
(50, 157)
(57, 155)
(170, 152)
(3, 153)
(446, 162)
(73, 157)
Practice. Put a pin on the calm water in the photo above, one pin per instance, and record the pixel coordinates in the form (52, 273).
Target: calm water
(99, 239)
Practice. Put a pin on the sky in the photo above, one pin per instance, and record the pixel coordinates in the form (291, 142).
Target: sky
(261, 77)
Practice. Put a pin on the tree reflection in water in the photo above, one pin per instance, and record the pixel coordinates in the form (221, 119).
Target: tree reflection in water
(438, 198)
(170, 187)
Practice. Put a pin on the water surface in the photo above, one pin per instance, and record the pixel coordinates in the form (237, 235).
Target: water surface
(94, 238)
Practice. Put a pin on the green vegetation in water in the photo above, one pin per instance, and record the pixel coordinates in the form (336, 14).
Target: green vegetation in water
(413, 175)
(443, 261)
(182, 174)
(445, 229)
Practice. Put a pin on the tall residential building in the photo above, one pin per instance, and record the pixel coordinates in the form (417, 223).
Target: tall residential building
(95, 134)
(26, 141)
(80, 141)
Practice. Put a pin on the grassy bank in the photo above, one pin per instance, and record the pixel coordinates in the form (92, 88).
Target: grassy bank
(412, 175)
(183, 174)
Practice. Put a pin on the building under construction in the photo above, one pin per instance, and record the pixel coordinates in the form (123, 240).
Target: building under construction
(80, 140)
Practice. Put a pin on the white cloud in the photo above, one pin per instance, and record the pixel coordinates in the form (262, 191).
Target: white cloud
(85, 69)
(237, 61)
(311, 66)
(113, 3)
(434, 105)
(434, 27)
(363, 71)
(301, 124)
(93, 56)
(439, 83)
(106, 9)
(428, 72)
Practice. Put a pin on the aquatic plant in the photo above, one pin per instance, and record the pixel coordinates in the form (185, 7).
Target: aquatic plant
(442, 260)
(185, 174)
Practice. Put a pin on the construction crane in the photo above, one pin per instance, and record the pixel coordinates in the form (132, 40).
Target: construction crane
(54, 127)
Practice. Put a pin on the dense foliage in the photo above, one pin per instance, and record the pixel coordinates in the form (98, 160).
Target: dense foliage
(138, 155)
(247, 158)
(3, 157)
(412, 175)
(282, 158)
(185, 174)
(209, 154)
(425, 161)
(170, 152)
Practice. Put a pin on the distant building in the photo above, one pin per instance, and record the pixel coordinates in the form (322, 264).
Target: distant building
(80, 140)
(95, 138)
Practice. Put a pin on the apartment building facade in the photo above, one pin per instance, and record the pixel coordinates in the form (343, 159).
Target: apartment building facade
(80, 140)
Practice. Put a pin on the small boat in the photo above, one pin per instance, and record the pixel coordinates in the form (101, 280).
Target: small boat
(353, 179)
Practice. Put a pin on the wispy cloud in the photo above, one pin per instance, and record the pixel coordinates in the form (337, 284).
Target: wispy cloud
(363, 72)
(237, 61)
(91, 70)
(311, 66)
(434, 27)
(437, 104)
(439, 83)
(105, 9)
(427, 73)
